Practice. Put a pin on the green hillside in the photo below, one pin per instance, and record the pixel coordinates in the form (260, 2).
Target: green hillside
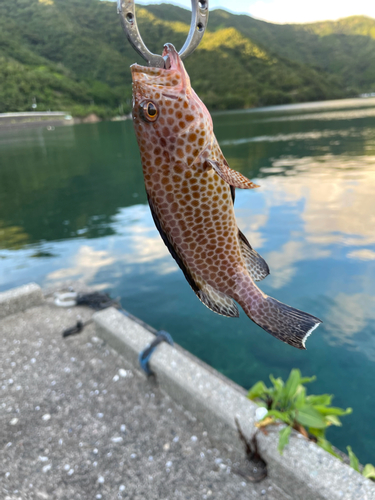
(73, 55)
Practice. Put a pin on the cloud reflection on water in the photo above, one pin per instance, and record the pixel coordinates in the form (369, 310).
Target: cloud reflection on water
(363, 254)
(86, 263)
(333, 198)
(348, 322)
(136, 242)
(338, 194)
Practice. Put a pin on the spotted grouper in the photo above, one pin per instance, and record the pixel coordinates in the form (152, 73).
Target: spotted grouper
(190, 190)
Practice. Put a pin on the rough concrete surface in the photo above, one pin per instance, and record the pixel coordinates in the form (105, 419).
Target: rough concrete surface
(19, 299)
(76, 422)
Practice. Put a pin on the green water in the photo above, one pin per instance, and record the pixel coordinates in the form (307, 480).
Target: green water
(72, 205)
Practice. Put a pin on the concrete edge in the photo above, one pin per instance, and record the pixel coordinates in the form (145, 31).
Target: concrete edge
(304, 471)
(19, 299)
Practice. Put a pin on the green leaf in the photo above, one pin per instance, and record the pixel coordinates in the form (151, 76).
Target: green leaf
(277, 391)
(277, 383)
(326, 445)
(321, 399)
(291, 385)
(369, 471)
(309, 417)
(354, 462)
(331, 410)
(319, 433)
(300, 399)
(333, 419)
(284, 438)
(284, 416)
(258, 390)
(307, 380)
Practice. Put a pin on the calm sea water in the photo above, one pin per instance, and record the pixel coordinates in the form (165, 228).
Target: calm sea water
(73, 205)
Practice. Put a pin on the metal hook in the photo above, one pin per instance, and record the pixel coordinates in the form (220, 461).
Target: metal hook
(199, 19)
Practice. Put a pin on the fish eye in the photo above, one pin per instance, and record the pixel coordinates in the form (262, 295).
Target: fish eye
(149, 112)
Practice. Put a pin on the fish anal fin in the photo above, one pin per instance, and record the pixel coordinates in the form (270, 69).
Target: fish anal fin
(230, 176)
(217, 301)
(256, 265)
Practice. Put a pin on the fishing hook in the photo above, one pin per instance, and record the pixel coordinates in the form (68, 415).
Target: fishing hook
(199, 19)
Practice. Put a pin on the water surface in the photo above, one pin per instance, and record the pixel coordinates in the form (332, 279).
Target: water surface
(72, 205)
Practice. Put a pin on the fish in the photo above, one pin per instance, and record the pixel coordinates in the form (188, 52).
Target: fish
(191, 191)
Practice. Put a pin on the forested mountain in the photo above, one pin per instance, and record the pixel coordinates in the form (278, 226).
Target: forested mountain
(73, 55)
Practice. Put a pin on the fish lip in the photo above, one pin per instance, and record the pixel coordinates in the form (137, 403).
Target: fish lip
(174, 58)
(162, 77)
(168, 51)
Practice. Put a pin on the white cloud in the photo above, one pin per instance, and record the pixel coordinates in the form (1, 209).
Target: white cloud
(349, 316)
(295, 11)
(251, 226)
(283, 262)
(339, 198)
(86, 264)
(137, 242)
(364, 254)
(339, 208)
(288, 11)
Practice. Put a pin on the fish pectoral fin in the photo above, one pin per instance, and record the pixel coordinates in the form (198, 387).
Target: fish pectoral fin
(255, 264)
(217, 301)
(230, 176)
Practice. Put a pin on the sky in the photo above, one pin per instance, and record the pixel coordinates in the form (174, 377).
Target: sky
(289, 11)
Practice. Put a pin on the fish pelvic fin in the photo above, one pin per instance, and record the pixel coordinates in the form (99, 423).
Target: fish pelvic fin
(286, 323)
(255, 264)
(230, 176)
(217, 301)
(213, 299)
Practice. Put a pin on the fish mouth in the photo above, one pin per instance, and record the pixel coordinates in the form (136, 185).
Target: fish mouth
(161, 76)
(173, 56)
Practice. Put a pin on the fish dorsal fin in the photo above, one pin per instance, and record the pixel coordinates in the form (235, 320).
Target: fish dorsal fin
(213, 299)
(256, 265)
(230, 176)
(218, 301)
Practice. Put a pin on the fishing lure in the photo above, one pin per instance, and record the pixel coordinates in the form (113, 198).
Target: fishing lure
(191, 191)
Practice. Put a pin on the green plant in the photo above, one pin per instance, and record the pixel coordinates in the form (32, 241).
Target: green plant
(310, 415)
(368, 470)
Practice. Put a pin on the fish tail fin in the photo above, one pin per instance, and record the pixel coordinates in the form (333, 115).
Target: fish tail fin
(286, 323)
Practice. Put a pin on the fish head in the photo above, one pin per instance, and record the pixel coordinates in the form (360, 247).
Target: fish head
(167, 113)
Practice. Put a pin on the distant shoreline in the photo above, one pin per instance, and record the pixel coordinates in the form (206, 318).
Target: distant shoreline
(24, 120)
(352, 102)
(20, 121)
